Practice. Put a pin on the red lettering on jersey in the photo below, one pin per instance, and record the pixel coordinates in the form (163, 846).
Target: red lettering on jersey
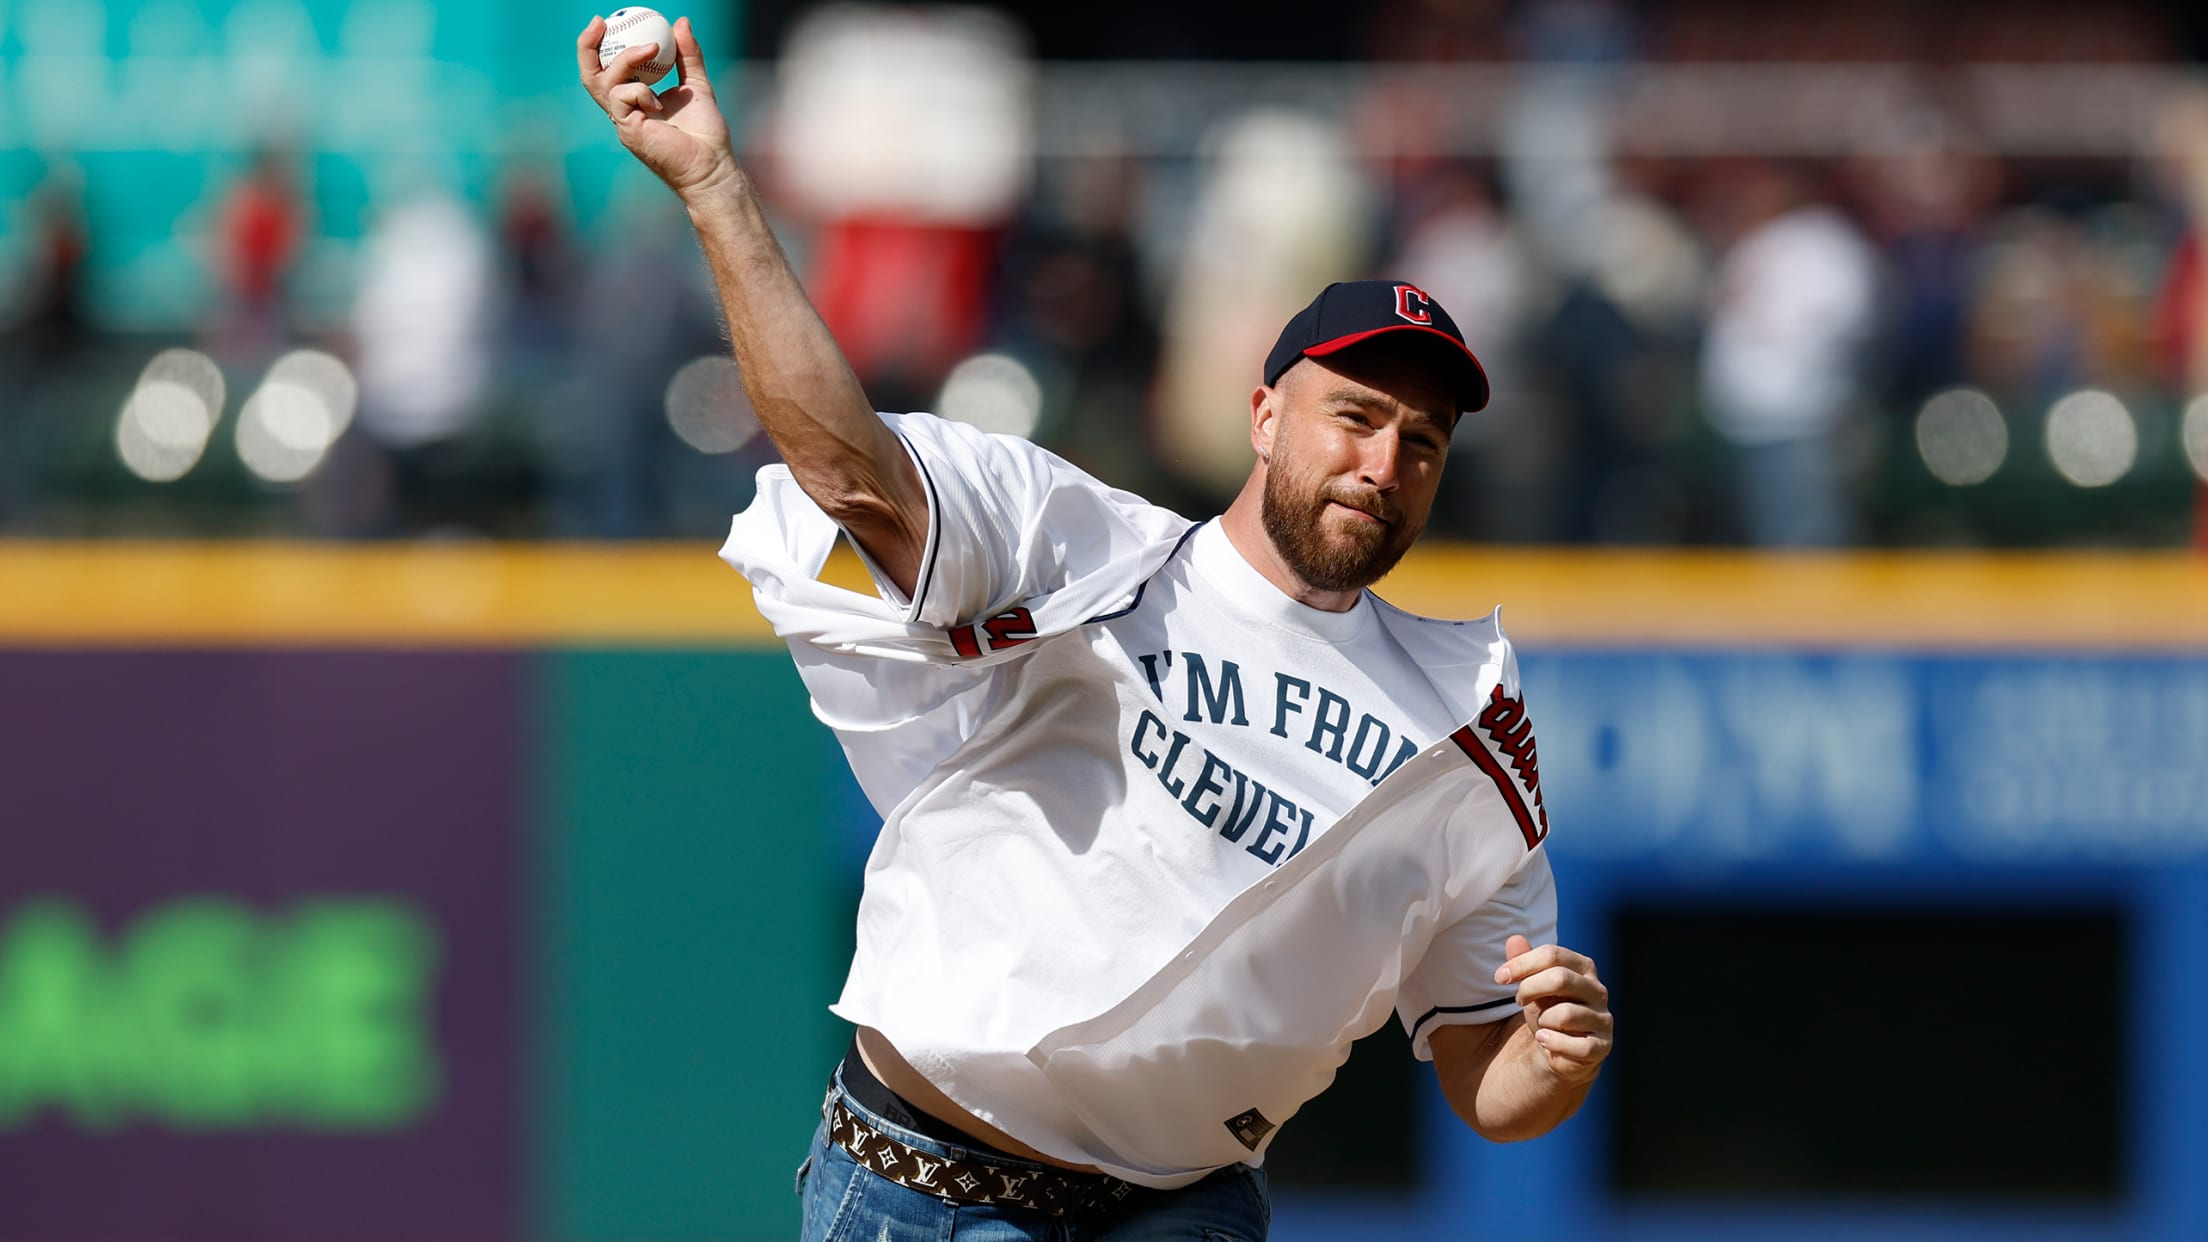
(962, 638)
(1505, 722)
(1006, 629)
(1413, 305)
(1010, 629)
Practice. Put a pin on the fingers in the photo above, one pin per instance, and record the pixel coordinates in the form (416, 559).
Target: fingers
(689, 58)
(1561, 983)
(635, 96)
(1525, 961)
(622, 67)
(1572, 1019)
(1576, 1038)
(1566, 1004)
(586, 49)
(1584, 1050)
(1574, 1032)
(621, 70)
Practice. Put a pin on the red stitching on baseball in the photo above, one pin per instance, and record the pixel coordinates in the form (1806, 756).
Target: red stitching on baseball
(660, 66)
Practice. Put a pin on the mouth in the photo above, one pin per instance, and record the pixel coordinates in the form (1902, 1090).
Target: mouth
(1358, 513)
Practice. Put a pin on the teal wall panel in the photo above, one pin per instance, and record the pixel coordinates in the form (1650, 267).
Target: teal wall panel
(692, 940)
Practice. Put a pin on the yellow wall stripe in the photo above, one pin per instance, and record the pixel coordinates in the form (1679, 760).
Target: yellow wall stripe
(440, 594)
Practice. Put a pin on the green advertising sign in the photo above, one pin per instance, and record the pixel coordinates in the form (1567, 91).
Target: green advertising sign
(205, 1014)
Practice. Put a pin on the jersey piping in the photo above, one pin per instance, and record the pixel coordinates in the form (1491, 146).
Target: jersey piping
(935, 534)
(1439, 1010)
(1136, 602)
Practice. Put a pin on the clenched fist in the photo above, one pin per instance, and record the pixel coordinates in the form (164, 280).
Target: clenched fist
(1566, 1006)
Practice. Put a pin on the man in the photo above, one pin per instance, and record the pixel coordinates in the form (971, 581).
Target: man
(1172, 813)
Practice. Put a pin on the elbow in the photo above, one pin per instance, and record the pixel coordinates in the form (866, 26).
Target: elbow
(1494, 1130)
(851, 502)
(1468, 1112)
(865, 495)
(877, 519)
(1508, 1118)
(1505, 1134)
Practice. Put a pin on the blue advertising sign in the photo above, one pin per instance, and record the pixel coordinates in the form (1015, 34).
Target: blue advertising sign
(1873, 758)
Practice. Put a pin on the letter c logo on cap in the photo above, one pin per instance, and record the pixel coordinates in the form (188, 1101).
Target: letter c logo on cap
(1413, 305)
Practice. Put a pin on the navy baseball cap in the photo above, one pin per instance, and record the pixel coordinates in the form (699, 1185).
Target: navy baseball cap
(1351, 312)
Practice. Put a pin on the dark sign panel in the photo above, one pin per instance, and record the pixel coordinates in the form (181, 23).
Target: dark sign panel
(260, 959)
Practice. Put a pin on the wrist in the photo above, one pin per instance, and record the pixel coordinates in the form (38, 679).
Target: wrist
(716, 192)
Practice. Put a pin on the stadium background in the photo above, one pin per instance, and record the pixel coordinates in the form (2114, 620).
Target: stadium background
(410, 831)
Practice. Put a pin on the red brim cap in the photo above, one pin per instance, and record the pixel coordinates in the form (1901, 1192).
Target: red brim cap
(1350, 313)
(1466, 377)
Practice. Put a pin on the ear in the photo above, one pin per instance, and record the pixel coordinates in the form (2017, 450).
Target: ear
(1264, 420)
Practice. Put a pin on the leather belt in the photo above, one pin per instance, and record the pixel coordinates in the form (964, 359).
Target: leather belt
(973, 1179)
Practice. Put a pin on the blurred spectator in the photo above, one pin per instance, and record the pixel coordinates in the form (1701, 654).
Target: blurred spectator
(259, 235)
(541, 263)
(2028, 338)
(43, 330)
(46, 310)
(1617, 346)
(905, 133)
(1926, 187)
(1282, 213)
(1456, 241)
(542, 271)
(1791, 309)
(1076, 310)
(1108, 266)
(645, 309)
(421, 318)
(1628, 271)
(421, 335)
(2181, 312)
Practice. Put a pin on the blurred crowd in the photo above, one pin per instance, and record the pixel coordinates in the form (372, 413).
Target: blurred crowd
(1922, 338)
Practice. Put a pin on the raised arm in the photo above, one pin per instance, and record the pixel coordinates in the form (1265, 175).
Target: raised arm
(808, 400)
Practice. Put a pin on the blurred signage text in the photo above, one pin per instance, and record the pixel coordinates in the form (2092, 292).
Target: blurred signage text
(205, 1014)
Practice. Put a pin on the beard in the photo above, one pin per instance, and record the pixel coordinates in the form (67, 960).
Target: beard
(1335, 554)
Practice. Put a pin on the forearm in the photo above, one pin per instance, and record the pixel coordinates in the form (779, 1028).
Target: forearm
(808, 401)
(1519, 1096)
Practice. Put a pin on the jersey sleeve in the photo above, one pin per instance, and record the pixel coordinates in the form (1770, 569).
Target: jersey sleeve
(1007, 522)
(1454, 983)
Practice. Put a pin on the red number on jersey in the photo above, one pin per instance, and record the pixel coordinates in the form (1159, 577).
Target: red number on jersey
(1006, 629)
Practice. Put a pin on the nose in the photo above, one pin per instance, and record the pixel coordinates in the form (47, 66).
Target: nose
(1383, 452)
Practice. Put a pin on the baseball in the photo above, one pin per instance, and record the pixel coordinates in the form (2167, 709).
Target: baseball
(629, 27)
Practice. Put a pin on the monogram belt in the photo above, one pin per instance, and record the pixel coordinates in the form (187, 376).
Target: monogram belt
(972, 1179)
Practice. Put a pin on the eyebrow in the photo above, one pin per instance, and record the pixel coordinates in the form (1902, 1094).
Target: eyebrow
(1364, 400)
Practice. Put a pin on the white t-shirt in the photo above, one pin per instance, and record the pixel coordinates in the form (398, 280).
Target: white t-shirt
(1065, 815)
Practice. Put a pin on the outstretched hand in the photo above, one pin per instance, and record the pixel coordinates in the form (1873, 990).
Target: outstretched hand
(1566, 1006)
(680, 134)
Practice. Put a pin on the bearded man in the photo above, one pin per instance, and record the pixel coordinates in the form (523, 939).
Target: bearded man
(1173, 812)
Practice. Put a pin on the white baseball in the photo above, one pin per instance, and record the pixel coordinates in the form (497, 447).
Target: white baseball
(630, 27)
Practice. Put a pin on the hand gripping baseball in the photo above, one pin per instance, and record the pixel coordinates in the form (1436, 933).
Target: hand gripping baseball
(680, 135)
(1567, 1007)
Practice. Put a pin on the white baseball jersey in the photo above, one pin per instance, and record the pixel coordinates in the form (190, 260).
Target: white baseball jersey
(1159, 842)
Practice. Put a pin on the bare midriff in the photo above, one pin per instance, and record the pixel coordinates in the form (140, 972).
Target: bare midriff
(898, 1075)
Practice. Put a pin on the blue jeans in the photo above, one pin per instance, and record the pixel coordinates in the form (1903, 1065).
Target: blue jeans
(844, 1201)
